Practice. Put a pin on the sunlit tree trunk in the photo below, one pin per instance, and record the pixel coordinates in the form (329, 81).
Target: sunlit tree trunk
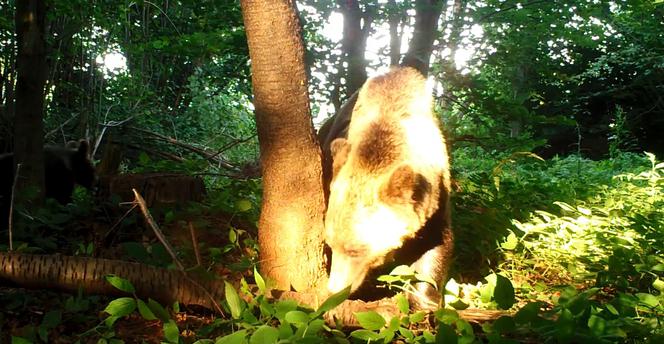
(427, 13)
(291, 221)
(28, 120)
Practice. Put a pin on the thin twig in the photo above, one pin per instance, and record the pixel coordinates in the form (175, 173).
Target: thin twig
(108, 233)
(232, 144)
(188, 147)
(11, 208)
(160, 235)
(155, 228)
(60, 126)
(194, 243)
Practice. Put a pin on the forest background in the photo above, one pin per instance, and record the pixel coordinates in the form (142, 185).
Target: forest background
(548, 107)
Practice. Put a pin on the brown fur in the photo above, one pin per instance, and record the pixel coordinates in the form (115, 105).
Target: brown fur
(389, 197)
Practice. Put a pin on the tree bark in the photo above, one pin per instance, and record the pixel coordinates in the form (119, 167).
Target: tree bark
(456, 26)
(394, 20)
(31, 77)
(427, 13)
(290, 230)
(357, 27)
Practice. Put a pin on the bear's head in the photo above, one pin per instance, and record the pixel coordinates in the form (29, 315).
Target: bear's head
(76, 157)
(375, 205)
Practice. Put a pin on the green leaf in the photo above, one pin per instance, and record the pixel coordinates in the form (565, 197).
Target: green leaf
(510, 242)
(121, 307)
(459, 305)
(365, 335)
(158, 310)
(233, 338)
(315, 326)
(171, 332)
(597, 325)
(446, 316)
(232, 236)
(264, 335)
(297, 317)
(235, 304)
(658, 268)
(370, 320)
(504, 292)
(504, 324)
(394, 324)
(52, 319)
(243, 205)
(417, 317)
(658, 284)
(446, 335)
(120, 283)
(609, 307)
(144, 310)
(402, 303)
(281, 308)
(333, 301)
(20, 340)
(111, 320)
(648, 299)
(387, 335)
(565, 326)
(403, 270)
(527, 313)
(584, 211)
(406, 333)
(285, 330)
(260, 282)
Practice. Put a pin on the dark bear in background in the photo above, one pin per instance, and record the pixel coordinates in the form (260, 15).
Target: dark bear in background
(63, 168)
(389, 191)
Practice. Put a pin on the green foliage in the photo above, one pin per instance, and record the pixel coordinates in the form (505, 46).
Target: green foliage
(587, 241)
(125, 306)
(621, 138)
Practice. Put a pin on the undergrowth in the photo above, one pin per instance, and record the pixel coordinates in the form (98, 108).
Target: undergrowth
(570, 249)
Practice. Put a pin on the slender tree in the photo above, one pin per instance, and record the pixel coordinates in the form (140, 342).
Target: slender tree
(427, 13)
(357, 28)
(31, 77)
(291, 223)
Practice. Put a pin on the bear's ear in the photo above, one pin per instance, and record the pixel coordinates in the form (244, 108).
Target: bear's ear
(339, 148)
(405, 186)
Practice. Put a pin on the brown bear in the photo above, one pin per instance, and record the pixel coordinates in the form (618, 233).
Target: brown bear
(63, 168)
(389, 193)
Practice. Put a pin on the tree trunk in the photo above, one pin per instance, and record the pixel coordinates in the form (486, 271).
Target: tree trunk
(7, 80)
(28, 119)
(291, 223)
(357, 27)
(456, 26)
(394, 20)
(427, 13)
